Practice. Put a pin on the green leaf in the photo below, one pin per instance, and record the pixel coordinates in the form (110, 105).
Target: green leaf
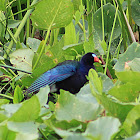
(2, 28)
(51, 56)
(33, 43)
(135, 64)
(132, 52)
(135, 137)
(63, 133)
(88, 47)
(4, 101)
(114, 108)
(66, 126)
(80, 31)
(13, 23)
(3, 5)
(126, 93)
(70, 34)
(132, 122)
(45, 63)
(18, 95)
(73, 49)
(98, 42)
(106, 82)
(10, 109)
(79, 13)
(77, 137)
(22, 59)
(86, 95)
(6, 134)
(18, 45)
(40, 46)
(54, 13)
(24, 136)
(43, 95)
(109, 14)
(129, 76)
(76, 4)
(29, 111)
(3, 132)
(104, 45)
(136, 11)
(55, 52)
(95, 82)
(2, 117)
(29, 129)
(69, 107)
(103, 128)
(1, 58)
(99, 67)
(77, 17)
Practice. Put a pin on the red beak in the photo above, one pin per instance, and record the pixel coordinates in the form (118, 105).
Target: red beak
(96, 59)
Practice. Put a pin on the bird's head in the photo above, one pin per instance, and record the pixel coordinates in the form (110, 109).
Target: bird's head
(90, 58)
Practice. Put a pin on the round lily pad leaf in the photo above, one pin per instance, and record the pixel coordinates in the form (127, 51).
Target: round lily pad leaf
(22, 59)
(54, 13)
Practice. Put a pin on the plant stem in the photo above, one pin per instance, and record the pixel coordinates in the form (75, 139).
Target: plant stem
(95, 6)
(56, 32)
(129, 12)
(102, 19)
(129, 29)
(84, 30)
(33, 31)
(80, 25)
(110, 40)
(20, 28)
(43, 47)
(126, 29)
(20, 18)
(4, 95)
(51, 38)
(118, 48)
(6, 66)
(43, 134)
(28, 23)
(90, 20)
(11, 17)
(118, 14)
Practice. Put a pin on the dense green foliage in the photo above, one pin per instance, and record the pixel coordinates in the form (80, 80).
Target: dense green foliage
(35, 38)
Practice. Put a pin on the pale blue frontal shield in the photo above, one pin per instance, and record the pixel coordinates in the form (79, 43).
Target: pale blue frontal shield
(94, 55)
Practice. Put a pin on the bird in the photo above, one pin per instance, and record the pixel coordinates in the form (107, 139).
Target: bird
(70, 75)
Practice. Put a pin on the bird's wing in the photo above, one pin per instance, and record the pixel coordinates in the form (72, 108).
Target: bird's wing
(52, 76)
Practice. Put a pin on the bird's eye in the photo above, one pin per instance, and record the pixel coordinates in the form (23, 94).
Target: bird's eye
(94, 55)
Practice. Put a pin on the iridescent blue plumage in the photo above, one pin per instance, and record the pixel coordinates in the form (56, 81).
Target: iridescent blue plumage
(59, 73)
(68, 75)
